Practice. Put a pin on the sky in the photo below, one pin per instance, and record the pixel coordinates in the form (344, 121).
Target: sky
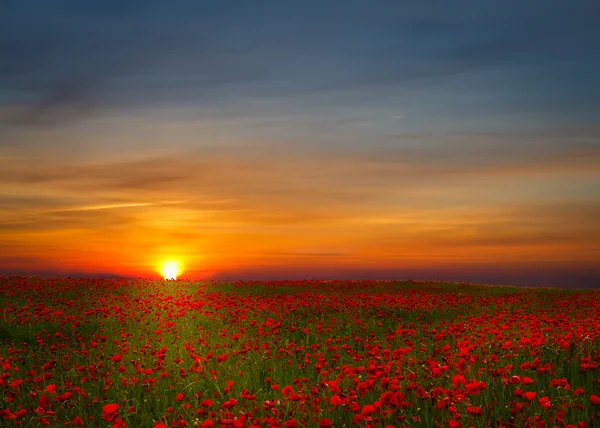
(316, 139)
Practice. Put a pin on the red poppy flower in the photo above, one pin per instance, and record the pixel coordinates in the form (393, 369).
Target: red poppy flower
(109, 412)
(368, 410)
(545, 402)
(229, 403)
(336, 401)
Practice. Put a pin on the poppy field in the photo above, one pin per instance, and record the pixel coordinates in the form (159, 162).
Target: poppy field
(137, 353)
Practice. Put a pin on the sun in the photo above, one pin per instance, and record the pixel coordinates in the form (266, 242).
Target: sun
(170, 269)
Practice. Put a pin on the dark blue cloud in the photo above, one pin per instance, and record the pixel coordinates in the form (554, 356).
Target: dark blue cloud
(66, 58)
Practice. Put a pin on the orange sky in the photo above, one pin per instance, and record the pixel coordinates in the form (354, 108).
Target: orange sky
(272, 206)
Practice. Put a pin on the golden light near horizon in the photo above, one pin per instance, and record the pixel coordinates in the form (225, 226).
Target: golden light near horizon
(170, 270)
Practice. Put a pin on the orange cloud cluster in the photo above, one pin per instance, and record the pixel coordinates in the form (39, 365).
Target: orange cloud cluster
(473, 200)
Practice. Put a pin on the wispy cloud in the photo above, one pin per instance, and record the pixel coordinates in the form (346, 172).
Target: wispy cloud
(116, 206)
(206, 53)
(239, 206)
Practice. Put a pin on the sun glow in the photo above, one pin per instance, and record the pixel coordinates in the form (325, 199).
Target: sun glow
(170, 269)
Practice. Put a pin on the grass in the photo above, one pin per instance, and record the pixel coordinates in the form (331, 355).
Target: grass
(100, 341)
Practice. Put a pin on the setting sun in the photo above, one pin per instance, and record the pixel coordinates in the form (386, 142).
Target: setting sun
(170, 270)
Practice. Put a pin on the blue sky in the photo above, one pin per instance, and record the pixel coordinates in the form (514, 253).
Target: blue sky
(497, 61)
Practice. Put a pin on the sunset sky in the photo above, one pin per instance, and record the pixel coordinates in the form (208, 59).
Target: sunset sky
(302, 139)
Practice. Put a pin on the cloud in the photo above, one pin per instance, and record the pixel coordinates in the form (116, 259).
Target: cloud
(61, 62)
(117, 206)
(239, 133)
(256, 178)
(526, 195)
(286, 214)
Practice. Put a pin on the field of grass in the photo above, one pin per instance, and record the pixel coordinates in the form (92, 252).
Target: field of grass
(116, 353)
